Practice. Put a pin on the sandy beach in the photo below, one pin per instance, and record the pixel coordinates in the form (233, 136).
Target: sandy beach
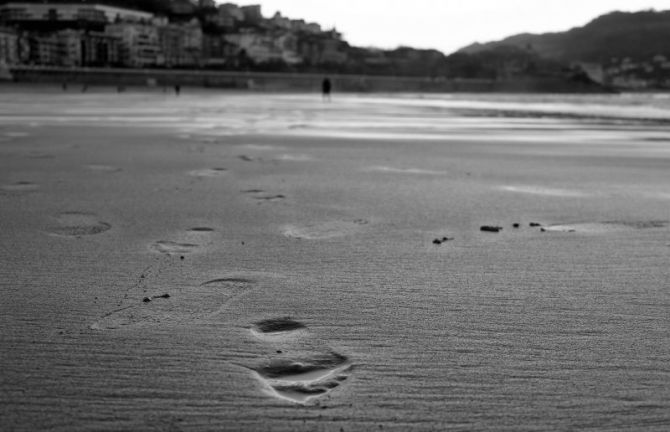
(244, 261)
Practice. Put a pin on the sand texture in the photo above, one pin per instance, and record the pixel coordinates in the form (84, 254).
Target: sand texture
(245, 262)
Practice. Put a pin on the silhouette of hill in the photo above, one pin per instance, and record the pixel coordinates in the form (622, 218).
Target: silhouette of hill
(638, 35)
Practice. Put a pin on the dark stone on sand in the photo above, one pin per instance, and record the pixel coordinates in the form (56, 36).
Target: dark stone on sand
(438, 241)
(491, 229)
(149, 299)
(535, 224)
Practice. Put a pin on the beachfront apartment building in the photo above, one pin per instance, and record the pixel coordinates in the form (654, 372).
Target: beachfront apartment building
(90, 34)
(139, 44)
(41, 14)
(100, 49)
(9, 46)
(181, 45)
(252, 14)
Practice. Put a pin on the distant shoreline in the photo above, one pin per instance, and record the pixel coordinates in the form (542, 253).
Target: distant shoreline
(283, 82)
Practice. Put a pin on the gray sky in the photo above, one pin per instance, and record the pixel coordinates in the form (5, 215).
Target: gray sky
(446, 25)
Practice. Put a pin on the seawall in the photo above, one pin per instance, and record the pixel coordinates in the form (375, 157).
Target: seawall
(263, 81)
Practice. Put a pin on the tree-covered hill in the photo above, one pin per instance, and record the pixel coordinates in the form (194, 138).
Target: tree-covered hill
(637, 35)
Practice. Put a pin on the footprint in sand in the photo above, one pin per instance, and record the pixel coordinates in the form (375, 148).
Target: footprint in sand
(246, 158)
(177, 306)
(296, 374)
(19, 187)
(173, 248)
(77, 224)
(262, 196)
(324, 230)
(276, 328)
(201, 230)
(605, 227)
(187, 242)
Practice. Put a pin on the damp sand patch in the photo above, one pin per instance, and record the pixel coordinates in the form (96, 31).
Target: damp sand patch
(405, 171)
(20, 187)
(538, 190)
(324, 230)
(606, 227)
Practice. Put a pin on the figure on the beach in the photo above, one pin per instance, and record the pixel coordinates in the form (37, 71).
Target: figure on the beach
(177, 89)
(326, 87)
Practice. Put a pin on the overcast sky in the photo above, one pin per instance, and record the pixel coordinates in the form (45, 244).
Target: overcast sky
(446, 24)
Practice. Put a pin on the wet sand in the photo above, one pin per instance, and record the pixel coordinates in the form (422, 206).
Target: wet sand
(268, 262)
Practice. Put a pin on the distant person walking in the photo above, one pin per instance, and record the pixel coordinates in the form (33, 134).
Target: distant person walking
(177, 89)
(326, 87)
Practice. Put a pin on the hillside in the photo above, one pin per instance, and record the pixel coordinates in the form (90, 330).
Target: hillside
(638, 35)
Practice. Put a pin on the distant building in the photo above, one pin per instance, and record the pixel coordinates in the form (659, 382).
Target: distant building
(100, 49)
(206, 4)
(66, 14)
(232, 10)
(301, 25)
(217, 51)
(280, 22)
(44, 49)
(317, 50)
(595, 71)
(252, 14)
(9, 46)
(181, 45)
(182, 7)
(264, 48)
(69, 42)
(139, 44)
